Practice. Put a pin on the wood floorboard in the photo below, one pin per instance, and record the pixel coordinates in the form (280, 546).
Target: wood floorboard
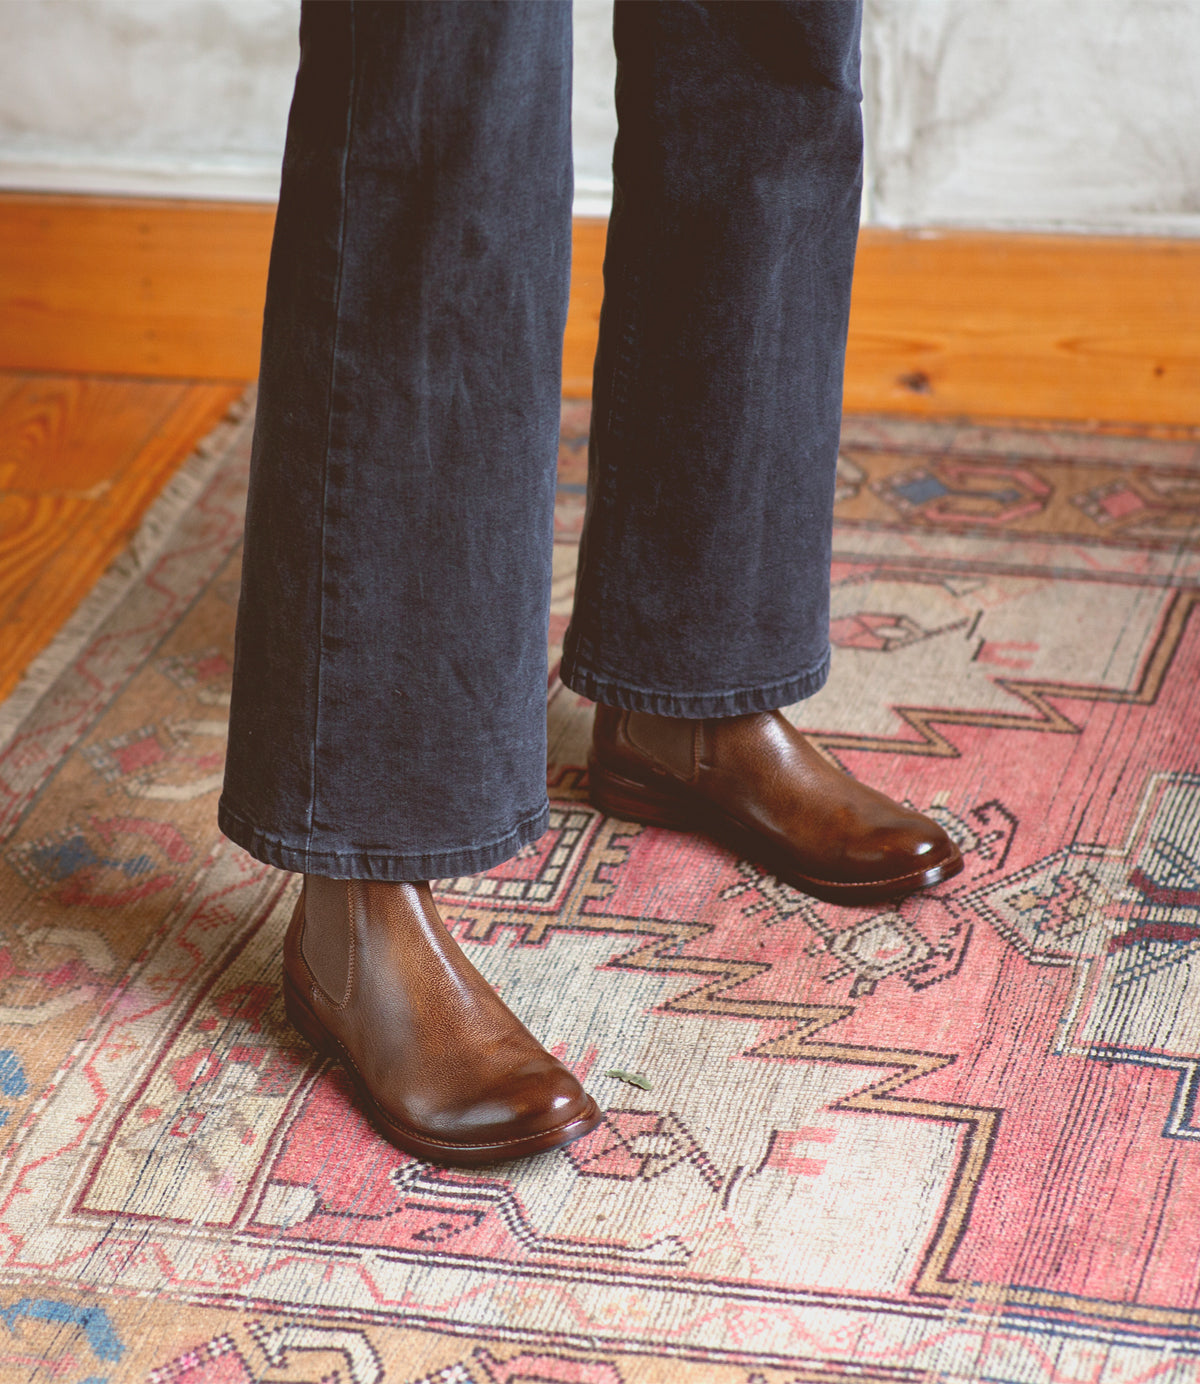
(81, 459)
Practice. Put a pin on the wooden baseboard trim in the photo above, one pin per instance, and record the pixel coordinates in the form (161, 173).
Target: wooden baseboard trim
(132, 286)
(947, 323)
(1026, 326)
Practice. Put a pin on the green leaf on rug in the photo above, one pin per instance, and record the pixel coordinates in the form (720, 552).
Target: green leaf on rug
(633, 1078)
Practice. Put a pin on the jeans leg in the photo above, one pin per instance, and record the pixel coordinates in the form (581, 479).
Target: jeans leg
(703, 585)
(388, 716)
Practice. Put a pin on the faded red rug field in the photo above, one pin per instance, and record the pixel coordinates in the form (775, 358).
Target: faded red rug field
(952, 1141)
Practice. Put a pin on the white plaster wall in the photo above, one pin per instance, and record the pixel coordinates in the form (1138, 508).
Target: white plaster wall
(1078, 114)
(190, 97)
(593, 117)
(184, 97)
(1034, 113)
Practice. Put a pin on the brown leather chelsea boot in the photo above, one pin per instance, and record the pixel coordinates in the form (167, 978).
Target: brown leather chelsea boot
(756, 785)
(447, 1072)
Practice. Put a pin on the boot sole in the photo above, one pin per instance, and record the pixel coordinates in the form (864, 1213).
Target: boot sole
(306, 1023)
(664, 805)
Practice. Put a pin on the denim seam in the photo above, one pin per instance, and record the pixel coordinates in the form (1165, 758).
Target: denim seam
(601, 687)
(439, 864)
(333, 359)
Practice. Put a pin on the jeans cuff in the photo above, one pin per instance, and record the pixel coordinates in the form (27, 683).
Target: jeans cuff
(737, 701)
(400, 868)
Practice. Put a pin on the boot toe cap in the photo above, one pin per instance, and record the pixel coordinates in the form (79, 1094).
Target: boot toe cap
(536, 1106)
(918, 849)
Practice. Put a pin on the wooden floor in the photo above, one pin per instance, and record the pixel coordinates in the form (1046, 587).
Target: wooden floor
(81, 458)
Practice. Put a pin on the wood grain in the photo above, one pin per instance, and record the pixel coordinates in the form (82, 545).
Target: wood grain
(583, 313)
(132, 286)
(80, 461)
(1023, 326)
(1026, 326)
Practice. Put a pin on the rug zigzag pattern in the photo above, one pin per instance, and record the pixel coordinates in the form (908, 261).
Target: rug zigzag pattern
(953, 1138)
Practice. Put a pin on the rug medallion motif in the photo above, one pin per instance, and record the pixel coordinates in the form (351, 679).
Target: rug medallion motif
(954, 1139)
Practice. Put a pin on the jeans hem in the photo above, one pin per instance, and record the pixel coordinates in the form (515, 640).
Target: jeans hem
(396, 868)
(739, 701)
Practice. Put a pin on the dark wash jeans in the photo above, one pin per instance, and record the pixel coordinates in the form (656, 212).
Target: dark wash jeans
(389, 714)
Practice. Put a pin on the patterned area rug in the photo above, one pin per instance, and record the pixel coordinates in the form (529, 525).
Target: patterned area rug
(954, 1140)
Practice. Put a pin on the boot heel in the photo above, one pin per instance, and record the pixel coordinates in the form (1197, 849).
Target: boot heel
(635, 802)
(304, 1021)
